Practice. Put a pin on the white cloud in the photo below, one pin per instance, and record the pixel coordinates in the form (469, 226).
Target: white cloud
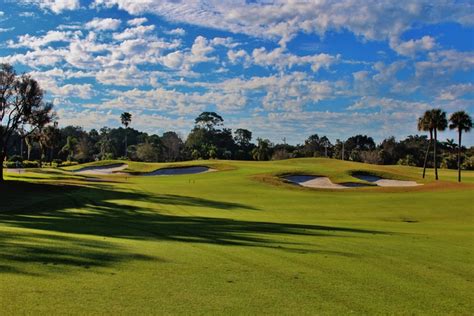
(282, 20)
(57, 6)
(173, 60)
(411, 47)
(2, 13)
(37, 58)
(388, 105)
(135, 32)
(178, 32)
(37, 42)
(137, 21)
(8, 29)
(456, 91)
(280, 59)
(107, 24)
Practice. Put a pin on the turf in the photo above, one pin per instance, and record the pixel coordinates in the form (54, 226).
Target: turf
(236, 241)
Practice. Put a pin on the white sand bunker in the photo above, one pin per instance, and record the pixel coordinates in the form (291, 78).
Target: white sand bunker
(386, 182)
(179, 171)
(316, 182)
(103, 170)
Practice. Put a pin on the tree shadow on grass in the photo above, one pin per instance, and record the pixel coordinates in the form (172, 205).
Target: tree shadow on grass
(101, 211)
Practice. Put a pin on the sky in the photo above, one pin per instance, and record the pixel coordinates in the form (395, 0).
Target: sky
(282, 69)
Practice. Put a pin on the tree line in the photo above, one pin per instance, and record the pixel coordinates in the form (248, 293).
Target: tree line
(30, 136)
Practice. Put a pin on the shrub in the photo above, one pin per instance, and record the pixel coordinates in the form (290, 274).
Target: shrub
(468, 163)
(69, 163)
(370, 156)
(11, 164)
(409, 160)
(15, 158)
(280, 154)
(30, 164)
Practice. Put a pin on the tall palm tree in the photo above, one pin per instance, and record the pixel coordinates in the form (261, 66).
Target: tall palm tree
(424, 124)
(463, 123)
(439, 123)
(126, 119)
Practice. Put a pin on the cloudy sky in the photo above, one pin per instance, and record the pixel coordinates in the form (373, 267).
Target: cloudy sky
(283, 69)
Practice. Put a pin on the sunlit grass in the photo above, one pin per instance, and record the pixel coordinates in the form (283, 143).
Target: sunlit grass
(238, 241)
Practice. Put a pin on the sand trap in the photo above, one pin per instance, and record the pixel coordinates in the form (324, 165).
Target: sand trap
(101, 170)
(386, 182)
(315, 182)
(179, 171)
(15, 170)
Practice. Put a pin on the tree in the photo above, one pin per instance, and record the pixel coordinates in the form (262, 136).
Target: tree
(172, 146)
(262, 151)
(106, 144)
(242, 138)
(439, 123)
(51, 136)
(83, 149)
(126, 119)
(425, 124)
(147, 152)
(21, 103)
(70, 147)
(462, 122)
(209, 120)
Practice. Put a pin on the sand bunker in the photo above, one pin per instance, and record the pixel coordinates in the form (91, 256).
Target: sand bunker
(386, 182)
(315, 182)
(179, 171)
(325, 182)
(101, 170)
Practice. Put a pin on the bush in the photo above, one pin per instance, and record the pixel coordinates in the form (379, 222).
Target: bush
(468, 163)
(11, 164)
(409, 160)
(15, 158)
(280, 154)
(30, 164)
(69, 163)
(370, 156)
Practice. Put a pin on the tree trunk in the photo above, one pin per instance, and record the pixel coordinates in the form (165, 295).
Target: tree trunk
(434, 156)
(126, 143)
(459, 157)
(21, 147)
(2, 158)
(427, 153)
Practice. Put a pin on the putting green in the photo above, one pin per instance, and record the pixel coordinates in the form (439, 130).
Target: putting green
(236, 241)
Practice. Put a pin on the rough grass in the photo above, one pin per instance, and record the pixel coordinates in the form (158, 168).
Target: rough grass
(238, 241)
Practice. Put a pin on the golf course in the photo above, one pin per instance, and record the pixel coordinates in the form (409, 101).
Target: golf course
(235, 237)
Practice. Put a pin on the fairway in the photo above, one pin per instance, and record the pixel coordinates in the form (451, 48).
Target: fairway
(239, 240)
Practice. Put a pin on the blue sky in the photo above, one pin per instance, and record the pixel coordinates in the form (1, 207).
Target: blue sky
(281, 69)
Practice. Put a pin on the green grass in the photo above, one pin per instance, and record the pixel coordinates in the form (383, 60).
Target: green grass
(236, 241)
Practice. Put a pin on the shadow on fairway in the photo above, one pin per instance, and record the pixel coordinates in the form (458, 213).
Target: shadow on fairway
(104, 213)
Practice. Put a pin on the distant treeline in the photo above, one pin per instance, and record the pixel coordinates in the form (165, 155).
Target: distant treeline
(209, 139)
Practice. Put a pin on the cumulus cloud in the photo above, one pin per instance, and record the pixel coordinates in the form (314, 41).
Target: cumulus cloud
(107, 24)
(139, 31)
(456, 91)
(178, 32)
(411, 47)
(37, 42)
(137, 21)
(56, 6)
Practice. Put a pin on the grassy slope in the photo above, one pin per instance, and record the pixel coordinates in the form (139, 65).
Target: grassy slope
(237, 241)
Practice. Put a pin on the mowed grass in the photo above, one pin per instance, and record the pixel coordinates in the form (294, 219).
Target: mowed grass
(236, 241)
